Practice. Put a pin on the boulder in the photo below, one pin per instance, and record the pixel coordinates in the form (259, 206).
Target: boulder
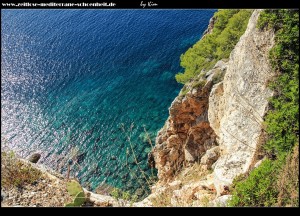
(34, 158)
(3, 195)
(210, 157)
(221, 201)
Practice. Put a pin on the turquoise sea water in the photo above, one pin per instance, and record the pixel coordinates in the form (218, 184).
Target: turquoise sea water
(87, 80)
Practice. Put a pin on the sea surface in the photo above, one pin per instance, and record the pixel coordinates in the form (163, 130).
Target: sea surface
(92, 86)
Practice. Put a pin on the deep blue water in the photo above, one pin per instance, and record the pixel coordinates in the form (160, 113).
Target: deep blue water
(86, 80)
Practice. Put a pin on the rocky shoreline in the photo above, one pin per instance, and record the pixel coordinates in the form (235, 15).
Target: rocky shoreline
(49, 190)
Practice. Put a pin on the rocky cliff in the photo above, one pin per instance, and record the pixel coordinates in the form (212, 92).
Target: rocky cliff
(238, 104)
(219, 124)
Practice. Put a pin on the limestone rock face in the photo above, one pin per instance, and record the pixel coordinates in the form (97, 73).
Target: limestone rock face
(186, 135)
(238, 104)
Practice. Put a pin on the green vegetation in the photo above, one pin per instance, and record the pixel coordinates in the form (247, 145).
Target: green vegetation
(15, 173)
(228, 28)
(276, 181)
(73, 188)
(78, 200)
(125, 195)
(282, 120)
(198, 84)
(184, 91)
(258, 189)
(76, 192)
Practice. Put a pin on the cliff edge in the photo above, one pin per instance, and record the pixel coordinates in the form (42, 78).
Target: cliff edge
(218, 125)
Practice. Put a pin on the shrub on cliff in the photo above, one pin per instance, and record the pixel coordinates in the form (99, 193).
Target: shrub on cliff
(282, 119)
(258, 189)
(273, 183)
(228, 28)
(15, 173)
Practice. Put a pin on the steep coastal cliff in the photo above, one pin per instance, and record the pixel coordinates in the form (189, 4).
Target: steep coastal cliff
(211, 150)
(218, 124)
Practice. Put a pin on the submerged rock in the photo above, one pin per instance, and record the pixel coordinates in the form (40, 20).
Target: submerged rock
(81, 157)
